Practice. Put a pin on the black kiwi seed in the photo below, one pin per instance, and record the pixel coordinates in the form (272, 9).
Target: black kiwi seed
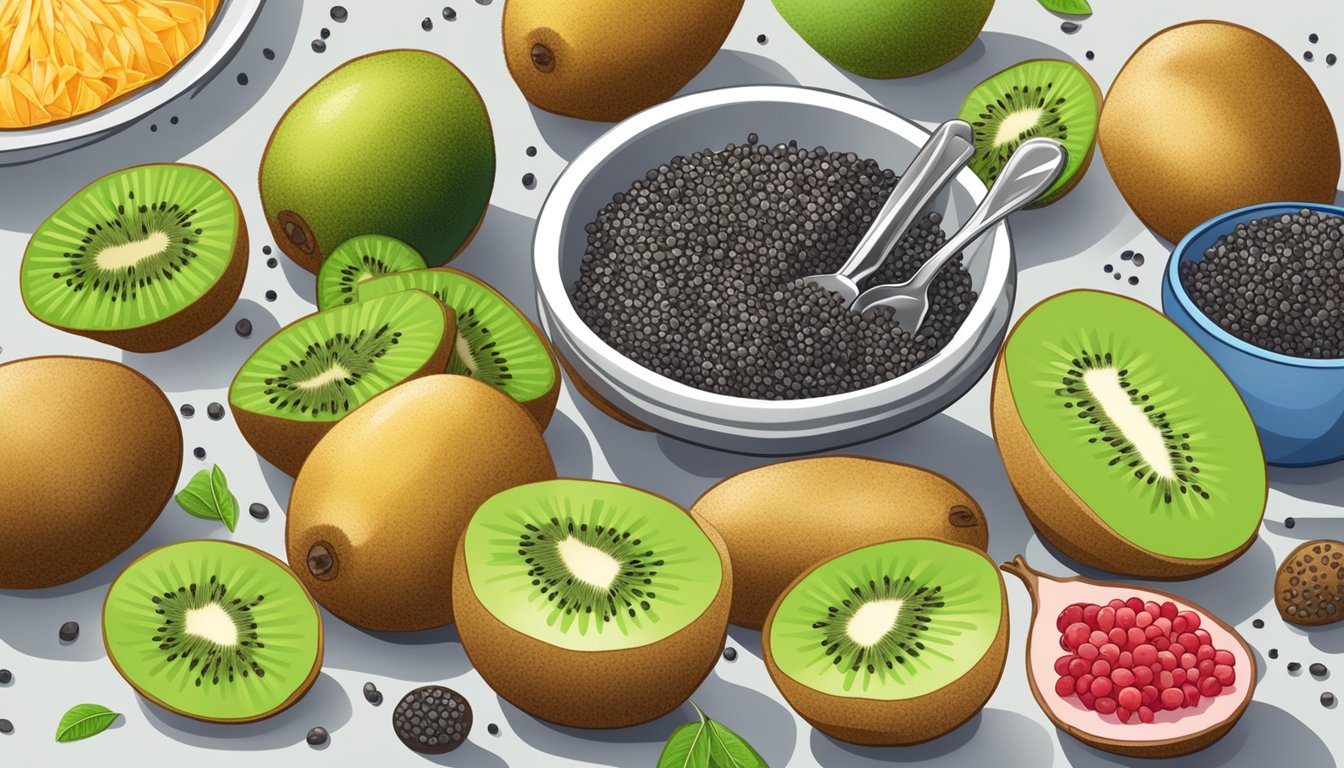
(1318, 670)
(198, 452)
(1307, 55)
(492, 729)
(529, 181)
(762, 39)
(730, 654)
(242, 78)
(432, 720)
(266, 250)
(1294, 667)
(1330, 59)
(271, 296)
(1069, 27)
(1289, 522)
(317, 736)
(69, 632)
(243, 328)
(531, 151)
(427, 24)
(1327, 699)
(449, 14)
(324, 33)
(372, 694)
(339, 14)
(268, 54)
(259, 511)
(1090, 55)
(6, 726)
(319, 46)
(1273, 653)
(187, 410)
(1258, 623)
(215, 411)
(6, 677)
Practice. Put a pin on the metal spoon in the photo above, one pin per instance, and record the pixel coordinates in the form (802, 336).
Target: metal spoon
(1033, 167)
(945, 153)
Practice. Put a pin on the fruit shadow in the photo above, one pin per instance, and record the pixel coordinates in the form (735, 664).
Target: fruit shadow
(993, 737)
(302, 282)
(34, 189)
(765, 723)
(1233, 593)
(214, 356)
(1265, 736)
(417, 657)
(1322, 484)
(569, 446)
(470, 754)
(326, 704)
(501, 255)
(1326, 639)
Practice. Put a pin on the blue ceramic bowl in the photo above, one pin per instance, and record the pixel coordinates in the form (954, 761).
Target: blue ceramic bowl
(1297, 404)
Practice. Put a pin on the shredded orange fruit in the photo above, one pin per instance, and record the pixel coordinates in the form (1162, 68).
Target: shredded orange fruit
(65, 58)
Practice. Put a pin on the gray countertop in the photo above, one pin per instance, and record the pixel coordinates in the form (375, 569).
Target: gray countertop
(224, 127)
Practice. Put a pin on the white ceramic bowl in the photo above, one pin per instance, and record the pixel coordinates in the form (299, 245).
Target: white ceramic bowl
(777, 114)
(232, 21)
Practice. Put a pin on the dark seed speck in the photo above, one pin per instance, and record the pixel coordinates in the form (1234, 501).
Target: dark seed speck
(1138, 259)
(317, 736)
(492, 729)
(730, 654)
(268, 54)
(1308, 55)
(173, 120)
(449, 14)
(258, 510)
(1126, 255)
(69, 632)
(1258, 623)
(319, 46)
(242, 78)
(272, 262)
(1327, 699)
(339, 14)
(1069, 27)
(762, 39)
(215, 411)
(153, 128)
(266, 250)
(1108, 269)
(1330, 59)
(531, 151)
(1090, 55)
(243, 328)
(1313, 38)
(427, 24)
(187, 410)
(1289, 522)
(198, 452)
(6, 676)
(6, 726)
(529, 181)
(324, 33)
(1318, 670)
(1294, 667)
(482, 2)
(271, 295)
(1273, 653)
(1133, 280)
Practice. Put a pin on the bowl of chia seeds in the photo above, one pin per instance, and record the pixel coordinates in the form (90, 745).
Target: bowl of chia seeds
(669, 259)
(1261, 289)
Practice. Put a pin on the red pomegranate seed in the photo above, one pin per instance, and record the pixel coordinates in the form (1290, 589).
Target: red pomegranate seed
(1150, 695)
(1169, 610)
(1123, 714)
(1090, 615)
(1101, 668)
(1206, 653)
(1084, 683)
(1188, 641)
(1135, 604)
(1143, 620)
(1145, 654)
(1064, 686)
(1076, 634)
(1071, 615)
(1210, 687)
(1167, 659)
(1152, 608)
(1203, 635)
(1191, 695)
(1143, 676)
(1122, 678)
(1204, 668)
(1087, 699)
(1110, 652)
(1116, 603)
(1178, 624)
(1101, 686)
(1087, 651)
(1117, 636)
(1098, 638)
(1165, 680)
(1129, 698)
(1135, 637)
(1062, 664)
(1078, 667)
(1106, 619)
(1224, 674)
(1191, 619)
(1161, 643)
(1222, 657)
(1105, 705)
(1188, 660)
(1126, 660)
(1172, 698)
(1145, 714)
(1178, 677)
(1163, 624)
(1124, 617)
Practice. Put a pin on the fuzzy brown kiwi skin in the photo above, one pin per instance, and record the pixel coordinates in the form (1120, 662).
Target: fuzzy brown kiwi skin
(294, 697)
(286, 443)
(829, 505)
(1146, 749)
(909, 721)
(1064, 519)
(195, 318)
(592, 689)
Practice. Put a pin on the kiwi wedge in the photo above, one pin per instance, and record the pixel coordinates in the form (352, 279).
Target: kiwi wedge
(314, 371)
(213, 630)
(1128, 447)
(1048, 98)
(145, 258)
(890, 644)
(496, 343)
(359, 259)
(591, 604)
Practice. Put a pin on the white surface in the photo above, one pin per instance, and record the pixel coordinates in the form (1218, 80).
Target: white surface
(224, 127)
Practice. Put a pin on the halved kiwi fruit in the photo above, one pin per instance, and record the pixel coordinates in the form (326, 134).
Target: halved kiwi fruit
(1048, 98)
(890, 644)
(1128, 447)
(213, 630)
(496, 343)
(357, 260)
(145, 259)
(314, 371)
(591, 604)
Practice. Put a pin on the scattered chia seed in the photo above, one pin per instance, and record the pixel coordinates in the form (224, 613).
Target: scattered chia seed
(1313, 38)
(272, 262)
(271, 295)
(1117, 275)
(215, 411)
(6, 677)
(1327, 699)
(1276, 282)
(153, 128)
(242, 78)
(268, 54)
(531, 151)
(187, 410)
(449, 14)
(198, 452)
(69, 632)
(694, 272)
(6, 726)
(730, 654)
(1108, 269)
(1069, 27)
(324, 33)
(259, 511)
(1090, 55)
(339, 14)
(762, 39)
(372, 694)
(529, 181)
(243, 328)
(482, 2)
(492, 729)
(1330, 59)
(1273, 653)
(1289, 522)
(1126, 255)
(173, 119)
(1294, 667)
(432, 720)
(426, 23)
(1133, 280)
(317, 736)
(319, 46)
(266, 250)
(1307, 55)
(1138, 259)
(1318, 670)
(1258, 623)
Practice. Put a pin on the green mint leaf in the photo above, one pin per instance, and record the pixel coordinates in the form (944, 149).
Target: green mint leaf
(84, 721)
(687, 747)
(728, 750)
(1071, 7)
(225, 501)
(207, 496)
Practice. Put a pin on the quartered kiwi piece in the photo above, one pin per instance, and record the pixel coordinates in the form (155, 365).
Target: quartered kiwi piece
(359, 259)
(145, 258)
(213, 630)
(1128, 447)
(496, 342)
(893, 643)
(311, 373)
(616, 599)
(1050, 98)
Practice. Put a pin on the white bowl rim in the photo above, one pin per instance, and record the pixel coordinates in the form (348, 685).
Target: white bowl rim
(231, 23)
(554, 295)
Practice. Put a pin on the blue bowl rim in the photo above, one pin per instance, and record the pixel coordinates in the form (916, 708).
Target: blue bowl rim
(1173, 282)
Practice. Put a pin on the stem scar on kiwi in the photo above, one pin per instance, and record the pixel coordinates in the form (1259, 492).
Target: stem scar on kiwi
(543, 58)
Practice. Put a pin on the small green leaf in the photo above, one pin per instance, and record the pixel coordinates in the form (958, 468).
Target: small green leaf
(84, 721)
(728, 750)
(687, 747)
(207, 496)
(1070, 7)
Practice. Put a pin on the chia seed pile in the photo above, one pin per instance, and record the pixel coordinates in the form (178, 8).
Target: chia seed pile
(1276, 282)
(432, 720)
(695, 273)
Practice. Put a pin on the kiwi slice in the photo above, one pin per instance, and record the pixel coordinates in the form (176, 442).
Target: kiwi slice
(496, 343)
(1129, 448)
(359, 259)
(311, 373)
(617, 598)
(146, 258)
(213, 630)
(1041, 97)
(892, 643)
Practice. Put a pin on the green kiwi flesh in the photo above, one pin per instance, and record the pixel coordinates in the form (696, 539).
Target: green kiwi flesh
(496, 343)
(213, 630)
(145, 258)
(357, 260)
(1047, 98)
